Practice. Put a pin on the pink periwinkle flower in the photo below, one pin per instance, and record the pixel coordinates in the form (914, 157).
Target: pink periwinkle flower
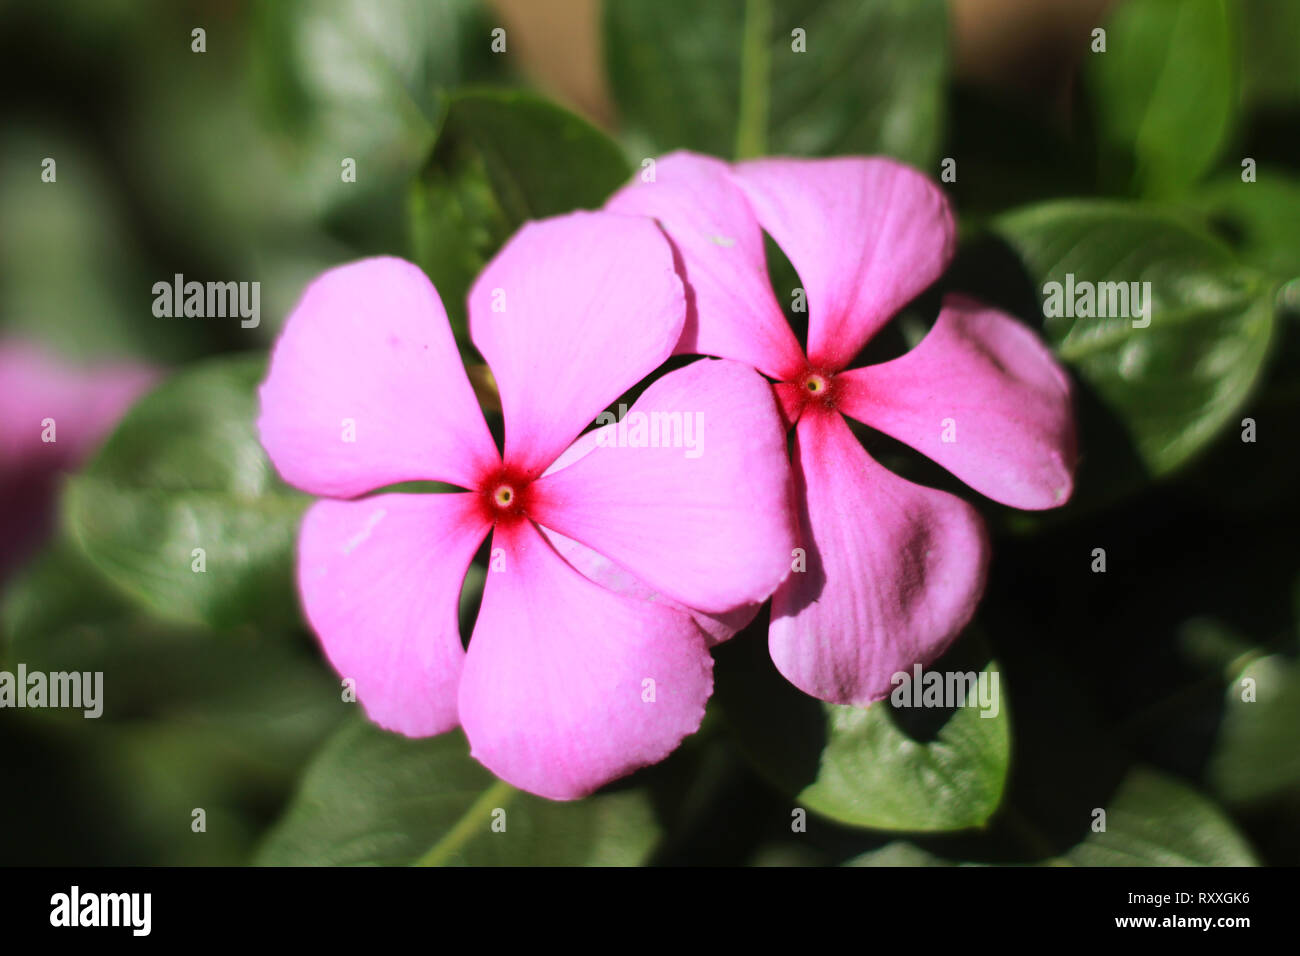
(894, 570)
(53, 414)
(566, 684)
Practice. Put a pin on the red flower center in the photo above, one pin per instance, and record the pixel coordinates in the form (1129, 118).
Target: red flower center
(811, 388)
(504, 495)
(816, 384)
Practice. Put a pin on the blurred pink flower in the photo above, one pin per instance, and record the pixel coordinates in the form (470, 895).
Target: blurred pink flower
(566, 684)
(894, 570)
(44, 397)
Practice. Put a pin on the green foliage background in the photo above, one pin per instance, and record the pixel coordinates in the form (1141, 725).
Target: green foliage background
(1120, 690)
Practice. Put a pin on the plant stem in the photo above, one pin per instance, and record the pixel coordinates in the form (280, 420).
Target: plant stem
(497, 795)
(755, 79)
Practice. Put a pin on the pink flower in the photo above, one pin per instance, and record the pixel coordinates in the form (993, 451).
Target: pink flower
(894, 570)
(52, 416)
(566, 684)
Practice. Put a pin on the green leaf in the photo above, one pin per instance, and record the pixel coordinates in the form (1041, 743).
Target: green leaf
(188, 717)
(343, 79)
(1174, 384)
(883, 766)
(184, 471)
(503, 157)
(899, 853)
(60, 615)
(1151, 820)
(372, 797)
(72, 269)
(1270, 72)
(1154, 820)
(270, 694)
(1165, 90)
(123, 793)
(725, 78)
(162, 771)
(1255, 757)
(1262, 218)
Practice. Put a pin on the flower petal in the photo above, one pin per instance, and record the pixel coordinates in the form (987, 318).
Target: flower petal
(600, 569)
(554, 696)
(84, 402)
(597, 568)
(572, 313)
(982, 396)
(43, 396)
(367, 355)
(706, 518)
(380, 580)
(866, 235)
(731, 311)
(894, 571)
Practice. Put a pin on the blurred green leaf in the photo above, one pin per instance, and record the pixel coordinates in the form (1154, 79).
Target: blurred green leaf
(726, 78)
(1174, 384)
(1151, 820)
(1155, 820)
(72, 271)
(123, 793)
(349, 79)
(269, 694)
(1165, 90)
(183, 471)
(222, 197)
(372, 797)
(503, 157)
(899, 853)
(1270, 67)
(1262, 219)
(1255, 757)
(59, 614)
(190, 718)
(881, 766)
(164, 772)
